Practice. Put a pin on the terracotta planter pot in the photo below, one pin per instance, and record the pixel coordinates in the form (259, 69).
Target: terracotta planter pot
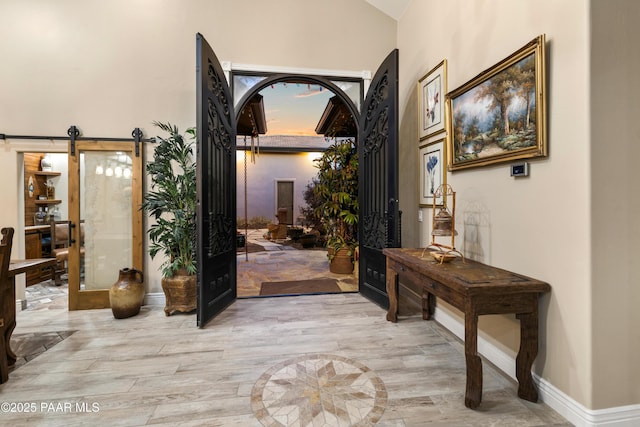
(341, 263)
(180, 293)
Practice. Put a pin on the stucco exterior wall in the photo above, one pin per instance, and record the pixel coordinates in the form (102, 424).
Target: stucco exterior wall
(261, 182)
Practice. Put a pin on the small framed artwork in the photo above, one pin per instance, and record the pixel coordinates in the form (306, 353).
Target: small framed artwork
(431, 90)
(432, 172)
(500, 115)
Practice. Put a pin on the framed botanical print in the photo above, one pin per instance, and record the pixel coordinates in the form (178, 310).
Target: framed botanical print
(432, 172)
(431, 91)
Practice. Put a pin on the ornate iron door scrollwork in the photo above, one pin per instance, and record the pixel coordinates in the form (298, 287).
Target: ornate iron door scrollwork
(378, 154)
(216, 183)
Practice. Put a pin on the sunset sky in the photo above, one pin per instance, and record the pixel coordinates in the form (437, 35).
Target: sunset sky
(294, 108)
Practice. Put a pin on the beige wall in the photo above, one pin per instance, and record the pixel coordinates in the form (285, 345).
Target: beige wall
(548, 225)
(109, 67)
(615, 192)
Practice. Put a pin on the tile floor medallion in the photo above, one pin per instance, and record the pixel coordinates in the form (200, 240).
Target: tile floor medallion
(319, 390)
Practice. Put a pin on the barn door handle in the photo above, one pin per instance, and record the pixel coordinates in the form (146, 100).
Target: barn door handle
(71, 240)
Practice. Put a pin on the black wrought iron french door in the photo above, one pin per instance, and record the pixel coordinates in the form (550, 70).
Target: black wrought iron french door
(379, 224)
(216, 183)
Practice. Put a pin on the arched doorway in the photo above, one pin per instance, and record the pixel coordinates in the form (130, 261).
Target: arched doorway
(282, 246)
(379, 224)
(297, 78)
(276, 168)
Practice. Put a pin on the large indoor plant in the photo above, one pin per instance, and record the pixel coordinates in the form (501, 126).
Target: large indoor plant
(337, 190)
(171, 202)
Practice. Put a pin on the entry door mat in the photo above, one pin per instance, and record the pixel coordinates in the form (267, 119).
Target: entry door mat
(29, 346)
(300, 287)
(250, 247)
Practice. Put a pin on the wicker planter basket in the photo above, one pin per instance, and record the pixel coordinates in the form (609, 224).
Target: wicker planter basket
(341, 263)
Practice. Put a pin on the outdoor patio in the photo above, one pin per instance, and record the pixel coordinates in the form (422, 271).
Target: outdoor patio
(283, 262)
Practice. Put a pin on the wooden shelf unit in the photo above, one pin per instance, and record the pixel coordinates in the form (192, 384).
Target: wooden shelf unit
(42, 173)
(47, 202)
(35, 247)
(39, 180)
(37, 238)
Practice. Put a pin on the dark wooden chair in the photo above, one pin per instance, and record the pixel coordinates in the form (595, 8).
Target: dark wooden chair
(5, 285)
(60, 247)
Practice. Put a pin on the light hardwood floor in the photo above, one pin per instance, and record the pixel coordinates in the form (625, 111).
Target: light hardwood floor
(322, 360)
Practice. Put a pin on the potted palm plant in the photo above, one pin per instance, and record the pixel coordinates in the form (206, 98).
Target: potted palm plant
(337, 191)
(171, 202)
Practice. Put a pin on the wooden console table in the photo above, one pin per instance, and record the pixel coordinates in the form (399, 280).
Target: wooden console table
(475, 289)
(8, 298)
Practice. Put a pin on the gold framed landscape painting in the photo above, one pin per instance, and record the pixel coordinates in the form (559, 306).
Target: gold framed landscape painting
(431, 90)
(500, 115)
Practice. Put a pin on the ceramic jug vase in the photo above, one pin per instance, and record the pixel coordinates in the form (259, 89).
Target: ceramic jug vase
(127, 294)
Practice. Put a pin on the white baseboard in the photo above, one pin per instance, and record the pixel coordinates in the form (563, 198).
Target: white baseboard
(21, 304)
(154, 298)
(574, 412)
(621, 416)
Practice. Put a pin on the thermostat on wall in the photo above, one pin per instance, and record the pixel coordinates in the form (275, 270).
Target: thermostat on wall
(520, 169)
